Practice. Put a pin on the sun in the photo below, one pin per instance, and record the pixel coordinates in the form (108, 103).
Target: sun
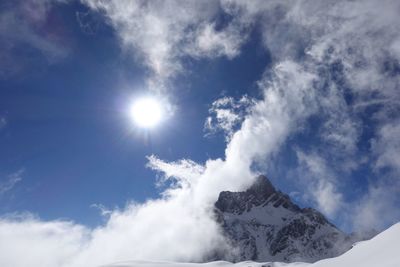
(146, 112)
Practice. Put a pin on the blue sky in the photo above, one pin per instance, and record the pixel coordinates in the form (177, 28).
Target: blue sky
(306, 93)
(67, 127)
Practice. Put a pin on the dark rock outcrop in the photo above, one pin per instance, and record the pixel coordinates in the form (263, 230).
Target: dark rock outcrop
(263, 224)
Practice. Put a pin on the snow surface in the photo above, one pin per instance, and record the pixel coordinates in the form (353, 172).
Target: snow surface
(209, 264)
(383, 250)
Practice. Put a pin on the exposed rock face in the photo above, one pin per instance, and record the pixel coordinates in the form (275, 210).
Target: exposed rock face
(263, 224)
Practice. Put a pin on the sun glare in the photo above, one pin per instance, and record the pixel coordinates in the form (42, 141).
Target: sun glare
(146, 112)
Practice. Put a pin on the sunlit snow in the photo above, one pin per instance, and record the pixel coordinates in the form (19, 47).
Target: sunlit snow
(382, 251)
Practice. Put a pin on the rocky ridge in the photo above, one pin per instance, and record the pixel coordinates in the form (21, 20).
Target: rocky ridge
(263, 224)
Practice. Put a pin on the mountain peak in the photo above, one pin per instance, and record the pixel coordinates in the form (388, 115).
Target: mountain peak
(255, 195)
(265, 225)
(260, 193)
(261, 187)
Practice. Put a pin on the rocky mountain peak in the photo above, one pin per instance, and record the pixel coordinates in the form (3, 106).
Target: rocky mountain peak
(261, 192)
(238, 202)
(261, 188)
(263, 224)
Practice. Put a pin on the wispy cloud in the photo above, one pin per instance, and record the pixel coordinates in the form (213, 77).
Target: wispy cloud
(377, 208)
(11, 181)
(320, 182)
(24, 23)
(88, 22)
(162, 33)
(105, 212)
(3, 122)
(226, 115)
(386, 146)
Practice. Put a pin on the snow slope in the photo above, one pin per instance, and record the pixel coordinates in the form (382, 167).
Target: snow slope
(383, 251)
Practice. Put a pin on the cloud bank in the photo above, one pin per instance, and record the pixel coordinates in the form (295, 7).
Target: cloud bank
(335, 72)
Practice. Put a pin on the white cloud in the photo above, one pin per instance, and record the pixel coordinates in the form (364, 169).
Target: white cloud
(162, 32)
(378, 208)
(386, 146)
(172, 228)
(104, 211)
(184, 171)
(208, 42)
(319, 182)
(288, 100)
(341, 129)
(27, 241)
(226, 115)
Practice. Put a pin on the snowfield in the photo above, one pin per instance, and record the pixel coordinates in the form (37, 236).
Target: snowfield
(381, 251)
(209, 264)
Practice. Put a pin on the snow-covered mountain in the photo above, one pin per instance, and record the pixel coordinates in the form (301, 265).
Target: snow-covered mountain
(263, 224)
(382, 251)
